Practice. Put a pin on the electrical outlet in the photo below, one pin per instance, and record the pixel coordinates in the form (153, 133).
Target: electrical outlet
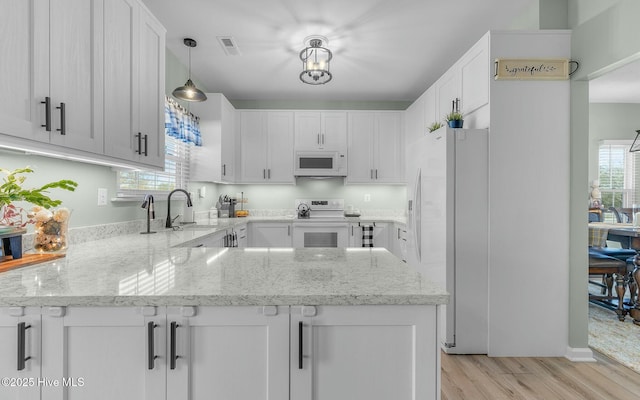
(367, 198)
(102, 196)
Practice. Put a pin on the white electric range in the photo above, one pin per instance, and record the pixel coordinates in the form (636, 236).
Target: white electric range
(320, 223)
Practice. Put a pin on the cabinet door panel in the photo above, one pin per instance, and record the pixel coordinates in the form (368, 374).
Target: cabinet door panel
(362, 128)
(372, 352)
(102, 353)
(231, 353)
(280, 150)
(254, 143)
(76, 70)
(24, 81)
(447, 91)
(389, 149)
(151, 80)
(334, 130)
(121, 85)
(270, 235)
(8, 355)
(308, 129)
(474, 71)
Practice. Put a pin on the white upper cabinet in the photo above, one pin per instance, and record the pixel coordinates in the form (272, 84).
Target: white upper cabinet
(54, 79)
(134, 84)
(151, 82)
(376, 147)
(215, 160)
(86, 77)
(267, 146)
(466, 82)
(319, 130)
(474, 76)
(447, 90)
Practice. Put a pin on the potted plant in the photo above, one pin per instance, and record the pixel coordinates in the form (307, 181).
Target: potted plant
(454, 119)
(435, 126)
(51, 225)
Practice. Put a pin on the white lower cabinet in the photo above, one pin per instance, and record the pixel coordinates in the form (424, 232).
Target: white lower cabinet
(380, 234)
(228, 353)
(399, 239)
(270, 234)
(103, 353)
(20, 353)
(220, 352)
(364, 352)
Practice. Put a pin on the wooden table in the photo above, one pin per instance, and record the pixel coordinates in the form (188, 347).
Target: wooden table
(629, 238)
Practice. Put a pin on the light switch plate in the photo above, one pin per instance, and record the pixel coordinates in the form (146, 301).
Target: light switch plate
(102, 196)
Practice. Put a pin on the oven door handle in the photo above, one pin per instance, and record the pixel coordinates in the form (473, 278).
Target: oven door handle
(340, 225)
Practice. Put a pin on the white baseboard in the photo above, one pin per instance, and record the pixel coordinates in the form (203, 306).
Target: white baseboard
(579, 354)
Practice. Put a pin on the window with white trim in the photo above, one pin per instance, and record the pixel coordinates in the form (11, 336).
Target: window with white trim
(175, 174)
(182, 130)
(618, 173)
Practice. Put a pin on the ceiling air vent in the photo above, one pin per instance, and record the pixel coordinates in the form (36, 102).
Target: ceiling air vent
(228, 44)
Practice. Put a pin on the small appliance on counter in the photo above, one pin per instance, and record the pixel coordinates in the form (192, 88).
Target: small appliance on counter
(242, 212)
(226, 207)
(303, 210)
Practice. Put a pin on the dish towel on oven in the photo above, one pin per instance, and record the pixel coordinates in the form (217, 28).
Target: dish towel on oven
(367, 235)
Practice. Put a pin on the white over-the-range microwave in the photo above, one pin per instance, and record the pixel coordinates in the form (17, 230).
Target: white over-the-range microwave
(320, 163)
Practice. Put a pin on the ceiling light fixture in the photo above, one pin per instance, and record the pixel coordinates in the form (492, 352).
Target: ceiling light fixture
(189, 92)
(315, 61)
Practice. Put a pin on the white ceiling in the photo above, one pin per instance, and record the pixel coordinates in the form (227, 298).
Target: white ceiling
(384, 50)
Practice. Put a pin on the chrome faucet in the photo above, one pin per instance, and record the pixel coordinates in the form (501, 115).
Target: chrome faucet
(169, 223)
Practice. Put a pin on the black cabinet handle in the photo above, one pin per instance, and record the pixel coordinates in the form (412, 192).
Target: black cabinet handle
(22, 344)
(174, 356)
(151, 342)
(63, 118)
(139, 137)
(300, 345)
(224, 169)
(47, 113)
(146, 145)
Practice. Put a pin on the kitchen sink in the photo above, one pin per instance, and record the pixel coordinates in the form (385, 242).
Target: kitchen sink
(197, 227)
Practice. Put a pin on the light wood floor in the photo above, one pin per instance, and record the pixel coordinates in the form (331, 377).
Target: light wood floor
(476, 377)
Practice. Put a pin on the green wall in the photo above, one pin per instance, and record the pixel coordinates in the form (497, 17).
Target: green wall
(604, 37)
(610, 121)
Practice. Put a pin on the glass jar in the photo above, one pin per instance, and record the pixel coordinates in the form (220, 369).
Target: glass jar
(51, 229)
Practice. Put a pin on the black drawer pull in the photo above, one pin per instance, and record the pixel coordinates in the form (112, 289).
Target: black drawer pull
(174, 356)
(300, 345)
(150, 342)
(47, 114)
(63, 119)
(22, 344)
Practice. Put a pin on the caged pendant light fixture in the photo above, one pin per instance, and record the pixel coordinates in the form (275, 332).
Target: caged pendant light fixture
(189, 92)
(315, 61)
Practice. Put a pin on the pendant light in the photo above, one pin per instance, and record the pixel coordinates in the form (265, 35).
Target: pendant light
(189, 92)
(315, 61)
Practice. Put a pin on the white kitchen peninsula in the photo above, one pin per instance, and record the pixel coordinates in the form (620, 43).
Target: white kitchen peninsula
(139, 316)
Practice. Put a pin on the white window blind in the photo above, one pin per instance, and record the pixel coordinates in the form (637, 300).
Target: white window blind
(619, 174)
(175, 174)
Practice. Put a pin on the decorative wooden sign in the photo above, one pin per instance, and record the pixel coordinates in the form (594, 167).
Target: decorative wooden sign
(531, 69)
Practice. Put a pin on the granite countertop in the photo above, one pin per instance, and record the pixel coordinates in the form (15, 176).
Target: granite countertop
(140, 270)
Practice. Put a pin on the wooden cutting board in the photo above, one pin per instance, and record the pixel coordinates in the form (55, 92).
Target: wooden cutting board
(8, 263)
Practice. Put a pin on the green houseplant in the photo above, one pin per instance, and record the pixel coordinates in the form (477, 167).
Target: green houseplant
(12, 189)
(50, 226)
(434, 126)
(454, 119)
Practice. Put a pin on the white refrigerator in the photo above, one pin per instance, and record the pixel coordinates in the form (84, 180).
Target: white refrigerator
(448, 229)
